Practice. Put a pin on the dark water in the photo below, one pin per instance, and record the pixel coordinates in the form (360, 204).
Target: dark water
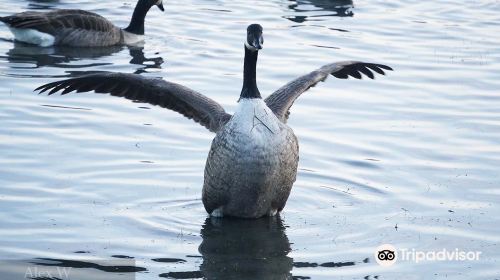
(111, 189)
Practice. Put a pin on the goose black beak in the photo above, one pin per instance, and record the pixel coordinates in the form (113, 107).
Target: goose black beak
(256, 44)
(160, 6)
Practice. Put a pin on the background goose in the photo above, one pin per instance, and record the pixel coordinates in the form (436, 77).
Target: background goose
(252, 163)
(77, 28)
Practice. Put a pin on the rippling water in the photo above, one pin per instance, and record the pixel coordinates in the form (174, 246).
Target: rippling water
(411, 159)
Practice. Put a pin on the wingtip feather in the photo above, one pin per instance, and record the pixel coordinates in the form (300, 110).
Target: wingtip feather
(39, 88)
(367, 72)
(45, 87)
(375, 68)
(68, 89)
(56, 89)
(385, 67)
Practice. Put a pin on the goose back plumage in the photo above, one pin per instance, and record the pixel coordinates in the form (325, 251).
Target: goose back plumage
(78, 28)
(68, 27)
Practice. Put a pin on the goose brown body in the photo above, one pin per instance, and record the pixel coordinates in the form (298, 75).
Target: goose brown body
(252, 164)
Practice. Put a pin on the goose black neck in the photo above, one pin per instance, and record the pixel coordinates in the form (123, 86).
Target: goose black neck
(136, 25)
(250, 89)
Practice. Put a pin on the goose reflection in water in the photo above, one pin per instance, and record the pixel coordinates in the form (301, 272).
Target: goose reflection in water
(341, 8)
(59, 57)
(42, 4)
(242, 249)
(245, 249)
(139, 58)
(65, 57)
(248, 249)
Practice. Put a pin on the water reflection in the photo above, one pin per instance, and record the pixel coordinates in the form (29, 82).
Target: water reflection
(105, 266)
(26, 56)
(242, 249)
(341, 8)
(139, 58)
(42, 4)
(57, 56)
(245, 249)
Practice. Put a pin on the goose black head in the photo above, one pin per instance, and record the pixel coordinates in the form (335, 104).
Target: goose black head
(159, 4)
(255, 39)
(150, 3)
(136, 25)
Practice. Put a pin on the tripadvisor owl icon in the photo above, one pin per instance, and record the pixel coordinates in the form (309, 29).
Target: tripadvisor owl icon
(386, 255)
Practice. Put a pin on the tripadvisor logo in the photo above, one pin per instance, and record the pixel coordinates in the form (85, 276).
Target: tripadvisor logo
(387, 255)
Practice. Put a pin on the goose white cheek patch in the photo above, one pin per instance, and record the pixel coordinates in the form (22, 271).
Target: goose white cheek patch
(250, 47)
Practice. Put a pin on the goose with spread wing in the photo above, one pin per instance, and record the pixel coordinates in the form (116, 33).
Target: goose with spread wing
(252, 163)
(77, 28)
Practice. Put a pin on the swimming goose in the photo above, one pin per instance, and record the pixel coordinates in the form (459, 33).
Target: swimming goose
(77, 28)
(252, 163)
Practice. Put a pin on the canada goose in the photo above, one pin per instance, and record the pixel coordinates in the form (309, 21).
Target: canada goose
(77, 28)
(252, 163)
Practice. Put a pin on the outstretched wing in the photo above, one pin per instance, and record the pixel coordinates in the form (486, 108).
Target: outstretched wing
(282, 99)
(155, 91)
(52, 21)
